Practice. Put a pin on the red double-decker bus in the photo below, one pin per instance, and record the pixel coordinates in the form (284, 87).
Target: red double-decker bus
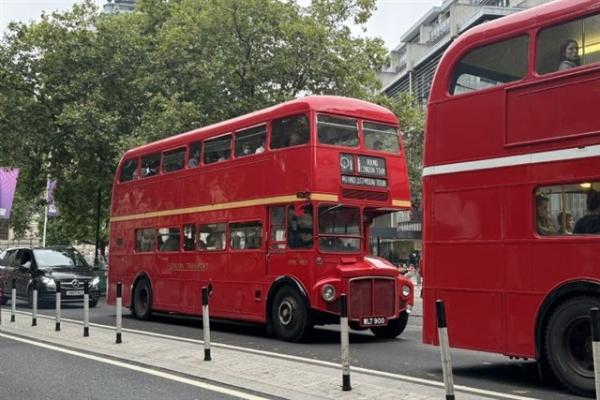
(273, 210)
(511, 183)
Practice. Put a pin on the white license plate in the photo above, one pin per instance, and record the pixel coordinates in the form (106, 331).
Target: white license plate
(373, 321)
(74, 292)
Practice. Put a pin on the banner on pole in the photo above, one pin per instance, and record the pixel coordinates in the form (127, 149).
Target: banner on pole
(52, 209)
(8, 184)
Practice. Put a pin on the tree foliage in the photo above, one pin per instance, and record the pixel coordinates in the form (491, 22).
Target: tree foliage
(78, 88)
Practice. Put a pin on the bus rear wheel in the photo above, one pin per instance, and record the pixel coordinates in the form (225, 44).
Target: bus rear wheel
(289, 315)
(568, 344)
(394, 327)
(142, 300)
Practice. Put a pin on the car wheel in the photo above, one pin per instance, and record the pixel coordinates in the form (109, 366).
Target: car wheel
(93, 303)
(394, 327)
(568, 344)
(289, 315)
(142, 300)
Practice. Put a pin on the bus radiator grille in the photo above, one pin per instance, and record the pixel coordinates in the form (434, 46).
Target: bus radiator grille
(371, 297)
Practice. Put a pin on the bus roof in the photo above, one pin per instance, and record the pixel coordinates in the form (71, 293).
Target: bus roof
(543, 15)
(326, 104)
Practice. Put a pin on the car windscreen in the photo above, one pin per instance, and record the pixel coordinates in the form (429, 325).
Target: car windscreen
(48, 258)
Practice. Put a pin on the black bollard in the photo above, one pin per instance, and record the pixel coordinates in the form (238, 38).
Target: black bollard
(119, 304)
(595, 315)
(206, 324)
(86, 309)
(13, 300)
(34, 301)
(58, 301)
(345, 343)
(445, 349)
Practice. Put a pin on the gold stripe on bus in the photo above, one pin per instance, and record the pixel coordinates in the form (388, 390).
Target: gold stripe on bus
(401, 203)
(222, 206)
(323, 197)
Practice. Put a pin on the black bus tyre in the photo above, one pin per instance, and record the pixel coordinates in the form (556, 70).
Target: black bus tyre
(141, 304)
(568, 344)
(394, 327)
(289, 315)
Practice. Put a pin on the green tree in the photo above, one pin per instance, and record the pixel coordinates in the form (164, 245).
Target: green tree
(78, 88)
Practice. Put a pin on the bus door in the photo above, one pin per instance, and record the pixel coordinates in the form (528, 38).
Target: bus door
(290, 240)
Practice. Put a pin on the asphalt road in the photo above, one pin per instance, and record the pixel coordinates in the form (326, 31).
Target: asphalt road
(34, 373)
(404, 355)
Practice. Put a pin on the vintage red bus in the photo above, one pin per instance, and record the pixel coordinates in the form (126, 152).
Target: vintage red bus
(236, 205)
(511, 178)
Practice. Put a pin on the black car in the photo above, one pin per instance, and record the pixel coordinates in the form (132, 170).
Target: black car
(47, 266)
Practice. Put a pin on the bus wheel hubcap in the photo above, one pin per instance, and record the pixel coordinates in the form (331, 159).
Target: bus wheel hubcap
(286, 312)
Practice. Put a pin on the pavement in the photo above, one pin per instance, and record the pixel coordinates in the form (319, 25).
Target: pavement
(253, 371)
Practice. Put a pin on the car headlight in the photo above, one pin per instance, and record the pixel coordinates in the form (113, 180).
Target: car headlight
(95, 281)
(49, 282)
(328, 293)
(405, 290)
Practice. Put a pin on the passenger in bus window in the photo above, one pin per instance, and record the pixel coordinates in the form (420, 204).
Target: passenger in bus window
(544, 221)
(295, 139)
(569, 55)
(260, 148)
(194, 158)
(378, 145)
(590, 223)
(566, 223)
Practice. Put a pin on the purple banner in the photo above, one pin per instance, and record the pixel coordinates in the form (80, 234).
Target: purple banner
(52, 209)
(8, 183)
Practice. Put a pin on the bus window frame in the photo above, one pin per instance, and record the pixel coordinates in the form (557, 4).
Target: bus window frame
(136, 173)
(206, 249)
(503, 86)
(311, 130)
(173, 149)
(316, 228)
(229, 244)
(359, 145)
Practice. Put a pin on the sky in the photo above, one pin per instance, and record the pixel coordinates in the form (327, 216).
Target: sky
(391, 20)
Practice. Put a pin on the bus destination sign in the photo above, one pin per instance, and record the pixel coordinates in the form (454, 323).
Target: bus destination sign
(371, 166)
(363, 181)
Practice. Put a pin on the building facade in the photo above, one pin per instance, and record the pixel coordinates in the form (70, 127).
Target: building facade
(118, 6)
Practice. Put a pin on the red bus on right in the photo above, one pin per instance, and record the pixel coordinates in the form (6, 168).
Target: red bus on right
(511, 189)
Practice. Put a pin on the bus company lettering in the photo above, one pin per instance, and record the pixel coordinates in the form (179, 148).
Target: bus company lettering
(176, 267)
(298, 261)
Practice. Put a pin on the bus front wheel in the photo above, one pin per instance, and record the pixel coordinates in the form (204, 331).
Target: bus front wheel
(394, 327)
(289, 315)
(142, 300)
(568, 344)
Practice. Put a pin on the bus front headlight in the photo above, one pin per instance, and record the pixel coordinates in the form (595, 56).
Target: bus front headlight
(328, 293)
(405, 290)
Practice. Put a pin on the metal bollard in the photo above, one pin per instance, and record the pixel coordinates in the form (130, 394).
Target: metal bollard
(206, 324)
(57, 327)
(595, 315)
(119, 304)
(345, 342)
(445, 349)
(86, 309)
(13, 300)
(35, 301)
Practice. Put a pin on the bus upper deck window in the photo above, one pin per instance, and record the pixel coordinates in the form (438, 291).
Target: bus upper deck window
(129, 170)
(173, 160)
(568, 45)
(250, 141)
(218, 149)
(290, 131)
(337, 131)
(381, 137)
(150, 164)
(491, 65)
